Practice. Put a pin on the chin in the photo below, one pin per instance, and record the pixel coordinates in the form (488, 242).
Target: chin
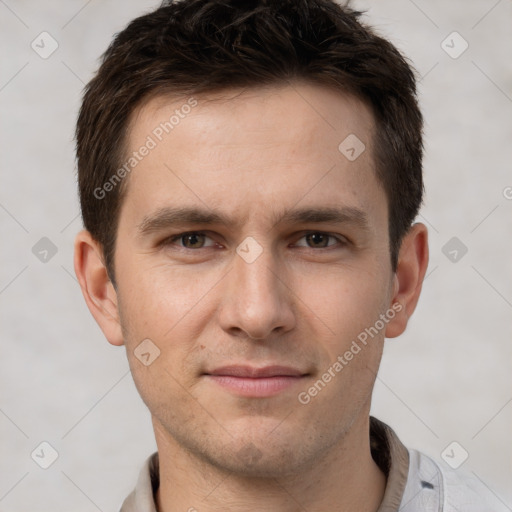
(251, 462)
(260, 457)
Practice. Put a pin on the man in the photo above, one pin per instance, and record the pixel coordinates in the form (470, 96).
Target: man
(249, 175)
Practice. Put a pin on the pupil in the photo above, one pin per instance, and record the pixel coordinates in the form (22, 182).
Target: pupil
(318, 239)
(192, 240)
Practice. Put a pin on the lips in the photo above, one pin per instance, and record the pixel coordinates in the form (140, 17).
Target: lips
(251, 382)
(255, 373)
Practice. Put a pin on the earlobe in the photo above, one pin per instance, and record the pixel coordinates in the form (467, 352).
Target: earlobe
(408, 279)
(97, 289)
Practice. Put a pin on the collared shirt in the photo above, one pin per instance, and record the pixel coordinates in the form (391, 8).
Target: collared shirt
(415, 483)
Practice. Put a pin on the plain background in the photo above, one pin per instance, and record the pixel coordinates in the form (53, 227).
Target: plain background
(446, 379)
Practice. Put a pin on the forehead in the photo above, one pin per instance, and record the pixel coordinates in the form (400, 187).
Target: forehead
(299, 109)
(261, 147)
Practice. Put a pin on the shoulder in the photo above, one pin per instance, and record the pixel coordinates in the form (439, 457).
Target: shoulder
(435, 487)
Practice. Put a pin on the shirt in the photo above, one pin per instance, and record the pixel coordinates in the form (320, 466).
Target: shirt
(415, 483)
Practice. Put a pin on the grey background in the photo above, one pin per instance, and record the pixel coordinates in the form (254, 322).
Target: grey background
(446, 379)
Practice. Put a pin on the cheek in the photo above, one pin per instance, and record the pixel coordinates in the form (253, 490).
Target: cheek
(157, 299)
(347, 300)
(170, 306)
(349, 306)
(161, 314)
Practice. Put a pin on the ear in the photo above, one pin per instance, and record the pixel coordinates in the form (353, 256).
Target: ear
(408, 279)
(97, 289)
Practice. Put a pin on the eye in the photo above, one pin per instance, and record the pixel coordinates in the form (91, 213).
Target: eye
(319, 240)
(193, 240)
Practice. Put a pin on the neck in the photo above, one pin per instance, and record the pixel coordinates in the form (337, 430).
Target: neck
(345, 478)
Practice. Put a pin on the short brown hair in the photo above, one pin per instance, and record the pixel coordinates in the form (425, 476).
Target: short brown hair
(200, 46)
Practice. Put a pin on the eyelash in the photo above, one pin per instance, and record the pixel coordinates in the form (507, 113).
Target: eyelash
(174, 238)
(341, 240)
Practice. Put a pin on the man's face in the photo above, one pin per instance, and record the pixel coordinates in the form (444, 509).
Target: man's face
(314, 274)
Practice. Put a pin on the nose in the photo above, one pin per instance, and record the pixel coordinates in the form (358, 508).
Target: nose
(257, 300)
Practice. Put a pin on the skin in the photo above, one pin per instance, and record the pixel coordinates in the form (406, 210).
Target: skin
(252, 156)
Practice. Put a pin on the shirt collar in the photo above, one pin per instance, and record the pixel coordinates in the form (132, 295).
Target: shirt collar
(393, 459)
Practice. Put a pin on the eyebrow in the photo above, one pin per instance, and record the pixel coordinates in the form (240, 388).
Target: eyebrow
(167, 217)
(342, 215)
